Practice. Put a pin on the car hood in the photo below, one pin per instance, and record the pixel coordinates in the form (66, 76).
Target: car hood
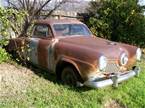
(105, 47)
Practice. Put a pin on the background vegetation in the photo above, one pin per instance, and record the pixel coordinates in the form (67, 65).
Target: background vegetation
(118, 20)
(4, 56)
(10, 24)
(11, 21)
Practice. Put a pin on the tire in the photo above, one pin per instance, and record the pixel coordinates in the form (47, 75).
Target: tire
(70, 76)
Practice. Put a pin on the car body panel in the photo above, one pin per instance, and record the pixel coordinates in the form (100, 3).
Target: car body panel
(82, 52)
(33, 53)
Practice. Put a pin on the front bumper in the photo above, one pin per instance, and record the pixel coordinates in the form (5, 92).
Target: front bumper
(113, 79)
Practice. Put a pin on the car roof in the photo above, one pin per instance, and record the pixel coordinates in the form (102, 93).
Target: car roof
(58, 21)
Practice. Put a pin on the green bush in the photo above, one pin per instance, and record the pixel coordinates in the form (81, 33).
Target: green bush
(119, 20)
(4, 56)
(11, 21)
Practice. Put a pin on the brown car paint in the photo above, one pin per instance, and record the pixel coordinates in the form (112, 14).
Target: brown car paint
(82, 52)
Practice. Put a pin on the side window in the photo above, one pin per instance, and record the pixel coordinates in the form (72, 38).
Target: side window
(42, 31)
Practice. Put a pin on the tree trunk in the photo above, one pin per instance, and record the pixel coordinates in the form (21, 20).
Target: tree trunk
(25, 28)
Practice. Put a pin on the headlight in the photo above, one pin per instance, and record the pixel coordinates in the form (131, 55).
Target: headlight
(138, 54)
(102, 63)
(123, 59)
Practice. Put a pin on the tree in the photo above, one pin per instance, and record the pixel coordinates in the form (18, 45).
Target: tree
(10, 20)
(34, 9)
(119, 20)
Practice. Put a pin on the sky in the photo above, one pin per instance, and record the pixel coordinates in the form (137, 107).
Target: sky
(142, 2)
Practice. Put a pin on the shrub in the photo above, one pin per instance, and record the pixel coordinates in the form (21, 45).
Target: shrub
(119, 20)
(10, 24)
(4, 56)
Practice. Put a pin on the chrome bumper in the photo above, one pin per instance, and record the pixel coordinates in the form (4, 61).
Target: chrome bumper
(113, 80)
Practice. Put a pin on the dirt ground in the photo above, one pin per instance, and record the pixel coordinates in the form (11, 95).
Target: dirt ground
(14, 79)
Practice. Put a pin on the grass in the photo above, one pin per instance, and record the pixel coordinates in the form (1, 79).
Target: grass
(45, 92)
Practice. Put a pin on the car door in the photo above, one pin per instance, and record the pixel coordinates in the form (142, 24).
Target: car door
(39, 45)
(32, 50)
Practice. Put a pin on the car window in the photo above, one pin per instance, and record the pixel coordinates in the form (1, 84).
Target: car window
(71, 29)
(78, 29)
(42, 31)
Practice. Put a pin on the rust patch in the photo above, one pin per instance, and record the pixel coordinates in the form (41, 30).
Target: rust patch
(43, 52)
(84, 52)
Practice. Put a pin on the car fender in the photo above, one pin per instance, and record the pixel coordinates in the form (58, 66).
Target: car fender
(83, 68)
(69, 60)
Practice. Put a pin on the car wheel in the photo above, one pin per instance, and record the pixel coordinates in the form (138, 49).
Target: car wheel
(69, 76)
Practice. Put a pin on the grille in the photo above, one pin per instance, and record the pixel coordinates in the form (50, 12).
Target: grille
(112, 68)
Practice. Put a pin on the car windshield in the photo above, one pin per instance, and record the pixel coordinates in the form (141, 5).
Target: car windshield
(71, 29)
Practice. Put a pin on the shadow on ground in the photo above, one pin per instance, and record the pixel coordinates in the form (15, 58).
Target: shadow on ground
(49, 76)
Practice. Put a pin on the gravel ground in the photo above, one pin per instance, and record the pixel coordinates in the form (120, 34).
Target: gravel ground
(14, 80)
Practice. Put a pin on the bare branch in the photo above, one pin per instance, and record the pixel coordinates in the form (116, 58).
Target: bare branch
(22, 4)
(13, 5)
(27, 4)
(33, 5)
(38, 11)
(34, 8)
(56, 7)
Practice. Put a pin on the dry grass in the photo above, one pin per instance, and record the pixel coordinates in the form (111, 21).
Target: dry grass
(24, 88)
(14, 80)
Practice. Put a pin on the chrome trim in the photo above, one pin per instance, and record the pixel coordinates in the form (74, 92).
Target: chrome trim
(113, 80)
(112, 68)
(138, 54)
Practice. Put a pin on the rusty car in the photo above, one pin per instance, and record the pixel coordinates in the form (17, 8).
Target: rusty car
(68, 49)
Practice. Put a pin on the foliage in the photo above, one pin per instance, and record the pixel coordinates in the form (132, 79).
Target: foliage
(10, 25)
(3, 55)
(119, 20)
(10, 20)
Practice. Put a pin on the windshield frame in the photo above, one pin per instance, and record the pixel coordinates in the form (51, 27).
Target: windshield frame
(85, 27)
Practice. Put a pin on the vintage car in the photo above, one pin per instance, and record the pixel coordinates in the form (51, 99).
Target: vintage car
(67, 48)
